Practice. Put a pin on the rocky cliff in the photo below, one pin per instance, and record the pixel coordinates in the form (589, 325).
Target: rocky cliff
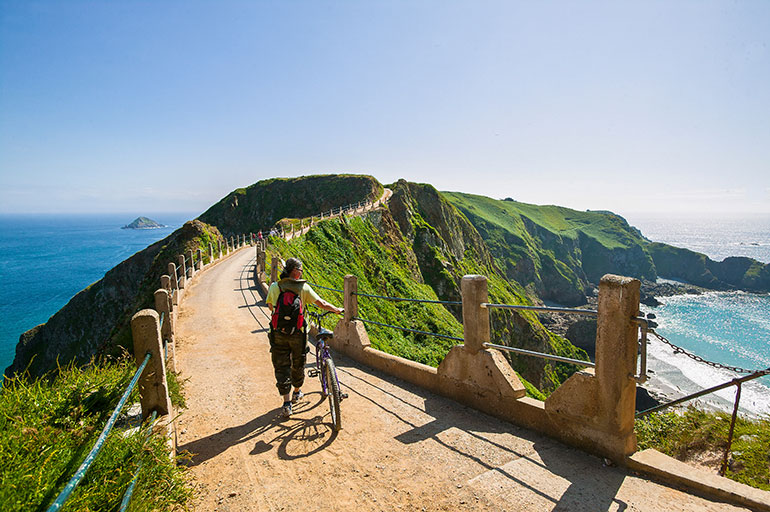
(261, 205)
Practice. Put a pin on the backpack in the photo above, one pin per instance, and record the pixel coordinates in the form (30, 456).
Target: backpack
(288, 315)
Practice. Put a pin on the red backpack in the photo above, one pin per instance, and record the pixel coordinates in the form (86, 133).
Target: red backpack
(288, 316)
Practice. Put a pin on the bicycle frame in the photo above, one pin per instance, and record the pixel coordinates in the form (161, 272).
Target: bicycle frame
(321, 356)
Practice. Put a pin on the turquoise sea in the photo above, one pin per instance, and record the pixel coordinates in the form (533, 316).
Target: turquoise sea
(732, 328)
(45, 260)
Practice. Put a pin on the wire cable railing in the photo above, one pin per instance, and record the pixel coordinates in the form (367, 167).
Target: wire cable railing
(80, 473)
(403, 299)
(130, 490)
(417, 331)
(541, 355)
(325, 287)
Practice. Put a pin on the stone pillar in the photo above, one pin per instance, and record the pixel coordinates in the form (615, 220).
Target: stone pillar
(475, 318)
(616, 353)
(183, 269)
(153, 388)
(274, 269)
(199, 265)
(350, 299)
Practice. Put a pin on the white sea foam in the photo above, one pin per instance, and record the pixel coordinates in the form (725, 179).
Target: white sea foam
(676, 375)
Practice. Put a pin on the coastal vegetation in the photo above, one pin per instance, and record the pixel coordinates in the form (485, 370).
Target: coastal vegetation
(700, 437)
(49, 425)
(419, 247)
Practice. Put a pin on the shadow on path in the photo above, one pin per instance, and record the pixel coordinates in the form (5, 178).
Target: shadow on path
(268, 430)
(589, 480)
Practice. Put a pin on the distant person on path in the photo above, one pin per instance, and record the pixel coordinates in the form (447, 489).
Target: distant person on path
(288, 334)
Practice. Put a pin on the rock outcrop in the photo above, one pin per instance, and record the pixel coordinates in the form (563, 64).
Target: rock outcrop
(143, 223)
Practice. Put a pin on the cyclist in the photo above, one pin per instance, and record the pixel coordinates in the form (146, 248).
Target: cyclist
(288, 350)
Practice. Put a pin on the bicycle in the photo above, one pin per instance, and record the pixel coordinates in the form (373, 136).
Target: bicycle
(326, 371)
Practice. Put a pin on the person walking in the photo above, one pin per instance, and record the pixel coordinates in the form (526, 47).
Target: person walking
(288, 334)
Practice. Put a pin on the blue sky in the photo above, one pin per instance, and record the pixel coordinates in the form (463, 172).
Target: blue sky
(168, 106)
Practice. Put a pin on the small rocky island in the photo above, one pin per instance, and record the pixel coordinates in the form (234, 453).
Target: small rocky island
(143, 223)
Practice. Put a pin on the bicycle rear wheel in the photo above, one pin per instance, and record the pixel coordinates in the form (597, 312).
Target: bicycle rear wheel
(334, 393)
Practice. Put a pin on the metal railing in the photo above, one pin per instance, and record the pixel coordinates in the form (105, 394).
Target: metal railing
(645, 325)
(80, 473)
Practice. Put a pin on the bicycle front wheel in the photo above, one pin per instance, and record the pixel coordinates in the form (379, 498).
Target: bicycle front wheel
(334, 394)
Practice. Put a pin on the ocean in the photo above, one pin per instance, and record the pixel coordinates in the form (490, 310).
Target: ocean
(46, 259)
(732, 328)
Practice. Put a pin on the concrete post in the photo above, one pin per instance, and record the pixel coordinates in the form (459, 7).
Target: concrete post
(153, 388)
(174, 283)
(350, 299)
(167, 328)
(165, 283)
(616, 352)
(192, 263)
(232, 245)
(219, 243)
(183, 269)
(475, 318)
(211, 253)
(274, 269)
(260, 263)
(199, 265)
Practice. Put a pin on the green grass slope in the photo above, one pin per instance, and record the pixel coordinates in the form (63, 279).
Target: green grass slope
(555, 251)
(415, 258)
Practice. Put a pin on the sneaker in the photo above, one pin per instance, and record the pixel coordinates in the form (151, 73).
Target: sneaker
(296, 396)
(286, 410)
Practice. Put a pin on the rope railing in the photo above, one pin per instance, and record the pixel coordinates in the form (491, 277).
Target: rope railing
(80, 473)
(434, 334)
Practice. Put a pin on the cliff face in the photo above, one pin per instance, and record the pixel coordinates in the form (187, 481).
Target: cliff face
(96, 320)
(696, 268)
(261, 205)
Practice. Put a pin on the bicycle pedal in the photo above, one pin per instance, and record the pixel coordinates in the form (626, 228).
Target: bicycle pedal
(312, 373)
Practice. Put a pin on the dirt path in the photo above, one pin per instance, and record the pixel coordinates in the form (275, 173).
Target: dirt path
(401, 448)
